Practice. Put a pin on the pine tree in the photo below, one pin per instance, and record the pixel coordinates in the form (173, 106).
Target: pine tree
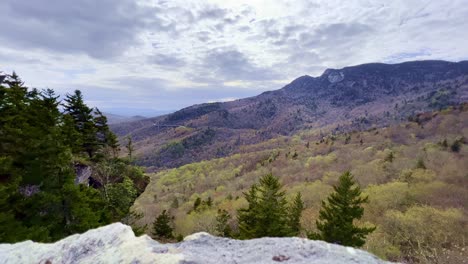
(266, 214)
(39, 200)
(130, 148)
(222, 223)
(197, 203)
(295, 213)
(162, 226)
(83, 122)
(343, 206)
(105, 138)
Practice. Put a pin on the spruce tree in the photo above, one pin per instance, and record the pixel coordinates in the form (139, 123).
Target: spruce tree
(104, 137)
(222, 223)
(197, 203)
(130, 148)
(83, 122)
(343, 206)
(266, 214)
(162, 226)
(295, 213)
(39, 200)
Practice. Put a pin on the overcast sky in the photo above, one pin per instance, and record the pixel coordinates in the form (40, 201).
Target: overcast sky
(140, 57)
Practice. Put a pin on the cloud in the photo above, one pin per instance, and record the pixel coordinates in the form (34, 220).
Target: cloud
(169, 54)
(333, 34)
(168, 61)
(229, 64)
(100, 29)
(212, 12)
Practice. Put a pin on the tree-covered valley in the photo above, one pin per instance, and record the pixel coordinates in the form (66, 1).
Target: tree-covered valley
(414, 174)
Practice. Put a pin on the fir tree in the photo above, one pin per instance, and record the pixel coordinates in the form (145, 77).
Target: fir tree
(266, 214)
(343, 206)
(197, 203)
(83, 122)
(130, 148)
(162, 226)
(105, 138)
(222, 223)
(39, 199)
(295, 213)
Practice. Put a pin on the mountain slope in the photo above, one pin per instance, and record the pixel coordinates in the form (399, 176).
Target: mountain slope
(414, 173)
(116, 119)
(352, 98)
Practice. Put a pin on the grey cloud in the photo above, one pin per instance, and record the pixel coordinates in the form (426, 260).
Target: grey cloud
(168, 61)
(231, 65)
(203, 36)
(304, 57)
(244, 28)
(212, 12)
(332, 34)
(100, 29)
(141, 84)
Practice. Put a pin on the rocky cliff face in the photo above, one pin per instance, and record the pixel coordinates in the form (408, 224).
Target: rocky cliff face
(116, 243)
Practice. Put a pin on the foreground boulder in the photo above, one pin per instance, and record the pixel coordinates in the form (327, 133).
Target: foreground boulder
(116, 243)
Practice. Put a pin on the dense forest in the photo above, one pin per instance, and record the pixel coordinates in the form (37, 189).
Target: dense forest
(45, 144)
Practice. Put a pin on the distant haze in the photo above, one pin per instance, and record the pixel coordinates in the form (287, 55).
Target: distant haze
(144, 57)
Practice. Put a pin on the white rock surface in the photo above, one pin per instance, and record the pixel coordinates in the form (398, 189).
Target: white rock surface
(116, 243)
(335, 76)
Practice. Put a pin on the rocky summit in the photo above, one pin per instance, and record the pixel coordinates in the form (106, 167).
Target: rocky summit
(116, 243)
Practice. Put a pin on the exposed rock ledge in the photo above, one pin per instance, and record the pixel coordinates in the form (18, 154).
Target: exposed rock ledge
(116, 243)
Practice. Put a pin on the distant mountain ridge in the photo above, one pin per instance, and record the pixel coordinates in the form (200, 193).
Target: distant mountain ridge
(352, 98)
(116, 119)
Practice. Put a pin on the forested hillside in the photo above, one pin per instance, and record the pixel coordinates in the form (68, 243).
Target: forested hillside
(352, 98)
(413, 173)
(44, 196)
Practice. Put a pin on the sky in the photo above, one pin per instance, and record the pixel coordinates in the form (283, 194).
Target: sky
(148, 57)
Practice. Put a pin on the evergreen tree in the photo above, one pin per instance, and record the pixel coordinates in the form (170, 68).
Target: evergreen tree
(222, 223)
(39, 200)
(197, 203)
(343, 206)
(104, 137)
(130, 148)
(209, 201)
(295, 213)
(83, 122)
(162, 226)
(266, 214)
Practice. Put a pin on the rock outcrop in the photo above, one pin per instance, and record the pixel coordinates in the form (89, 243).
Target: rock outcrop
(117, 243)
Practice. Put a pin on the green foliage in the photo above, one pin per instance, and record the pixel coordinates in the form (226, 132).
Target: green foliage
(427, 235)
(337, 215)
(83, 123)
(395, 185)
(39, 199)
(162, 226)
(130, 148)
(104, 136)
(121, 196)
(266, 214)
(222, 224)
(420, 164)
(295, 212)
(197, 203)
